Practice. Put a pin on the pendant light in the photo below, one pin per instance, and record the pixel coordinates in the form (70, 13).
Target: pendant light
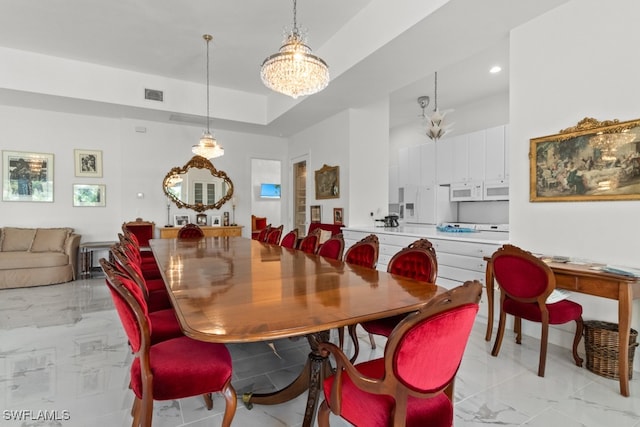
(208, 147)
(436, 127)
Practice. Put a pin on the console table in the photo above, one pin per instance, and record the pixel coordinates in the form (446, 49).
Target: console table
(86, 255)
(585, 280)
(209, 231)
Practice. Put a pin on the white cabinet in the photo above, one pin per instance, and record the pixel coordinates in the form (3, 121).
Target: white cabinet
(444, 161)
(428, 164)
(476, 159)
(414, 165)
(460, 147)
(495, 154)
(403, 166)
(393, 184)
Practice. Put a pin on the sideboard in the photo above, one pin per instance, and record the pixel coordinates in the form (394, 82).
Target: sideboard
(209, 231)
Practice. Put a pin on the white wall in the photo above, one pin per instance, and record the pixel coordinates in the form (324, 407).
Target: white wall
(133, 162)
(269, 172)
(562, 70)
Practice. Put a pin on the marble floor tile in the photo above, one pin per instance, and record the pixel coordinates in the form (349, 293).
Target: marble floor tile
(63, 350)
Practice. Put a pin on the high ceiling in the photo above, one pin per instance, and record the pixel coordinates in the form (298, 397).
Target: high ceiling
(375, 48)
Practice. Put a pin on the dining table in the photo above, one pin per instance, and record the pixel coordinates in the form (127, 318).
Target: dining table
(235, 290)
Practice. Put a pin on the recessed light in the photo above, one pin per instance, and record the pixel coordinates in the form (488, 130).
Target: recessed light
(495, 69)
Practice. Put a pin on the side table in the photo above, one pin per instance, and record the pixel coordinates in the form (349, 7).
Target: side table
(86, 256)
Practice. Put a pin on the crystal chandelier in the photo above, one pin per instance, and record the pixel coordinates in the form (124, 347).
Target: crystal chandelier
(208, 147)
(436, 127)
(294, 70)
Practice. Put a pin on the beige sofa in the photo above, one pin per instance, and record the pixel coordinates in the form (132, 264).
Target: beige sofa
(37, 256)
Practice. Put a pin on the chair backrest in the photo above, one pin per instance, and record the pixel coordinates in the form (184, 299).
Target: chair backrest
(142, 230)
(130, 248)
(521, 275)
(333, 247)
(290, 240)
(262, 236)
(125, 266)
(425, 350)
(190, 231)
(130, 306)
(274, 235)
(416, 261)
(364, 253)
(309, 243)
(258, 222)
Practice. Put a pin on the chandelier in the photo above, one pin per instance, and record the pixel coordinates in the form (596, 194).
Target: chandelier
(208, 147)
(436, 128)
(294, 70)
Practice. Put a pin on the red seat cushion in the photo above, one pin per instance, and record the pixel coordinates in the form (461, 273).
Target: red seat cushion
(383, 326)
(332, 248)
(371, 410)
(559, 312)
(158, 300)
(183, 367)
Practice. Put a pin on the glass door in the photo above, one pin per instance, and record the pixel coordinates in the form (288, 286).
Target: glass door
(300, 197)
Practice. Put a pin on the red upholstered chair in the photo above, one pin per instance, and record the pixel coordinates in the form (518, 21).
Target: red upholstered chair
(172, 369)
(142, 230)
(332, 248)
(290, 240)
(262, 235)
(274, 235)
(364, 253)
(146, 255)
(416, 261)
(258, 223)
(149, 267)
(412, 385)
(190, 231)
(525, 284)
(309, 243)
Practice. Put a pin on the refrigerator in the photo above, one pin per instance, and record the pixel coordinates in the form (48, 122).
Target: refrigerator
(428, 205)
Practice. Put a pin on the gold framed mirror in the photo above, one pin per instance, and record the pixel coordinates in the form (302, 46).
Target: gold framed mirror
(198, 185)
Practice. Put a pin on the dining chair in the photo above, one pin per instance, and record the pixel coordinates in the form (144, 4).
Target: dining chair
(172, 369)
(149, 267)
(274, 235)
(412, 384)
(262, 236)
(309, 243)
(146, 255)
(332, 247)
(364, 253)
(290, 240)
(190, 231)
(142, 230)
(525, 283)
(416, 261)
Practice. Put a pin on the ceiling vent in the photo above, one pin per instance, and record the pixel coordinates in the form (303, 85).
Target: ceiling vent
(154, 95)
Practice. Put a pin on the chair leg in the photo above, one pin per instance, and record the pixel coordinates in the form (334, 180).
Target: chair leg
(341, 337)
(135, 412)
(323, 414)
(372, 341)
(354, 338)
(576, 341)
(208, 401)
(543, 348)
(517, 326)
(231, 402)
(499, 334)
(146, 411)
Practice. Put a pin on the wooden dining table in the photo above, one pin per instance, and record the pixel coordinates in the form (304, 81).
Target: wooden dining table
(234, 290)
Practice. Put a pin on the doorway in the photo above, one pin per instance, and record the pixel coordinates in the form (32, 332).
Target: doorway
(300, 197)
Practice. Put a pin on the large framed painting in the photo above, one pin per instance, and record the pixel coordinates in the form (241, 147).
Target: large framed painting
(328, 182)
(27, 177)
(588, 162)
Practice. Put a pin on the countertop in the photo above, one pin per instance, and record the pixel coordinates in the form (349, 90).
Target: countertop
(430, 232)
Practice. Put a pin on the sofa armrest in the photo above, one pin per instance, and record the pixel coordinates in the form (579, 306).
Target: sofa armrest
(71, 249)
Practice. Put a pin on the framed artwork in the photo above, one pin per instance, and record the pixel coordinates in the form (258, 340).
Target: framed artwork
(591, 161)
(180, 220)
(27, 177)
(88, 163)
(89, 195)
(201, 219)
(337, 216)
(328, 182)
(216, 221)
(316, 213)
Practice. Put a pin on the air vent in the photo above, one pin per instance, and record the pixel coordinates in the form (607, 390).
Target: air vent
(153, 95)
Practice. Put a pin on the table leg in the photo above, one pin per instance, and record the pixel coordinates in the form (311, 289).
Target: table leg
(85, 263)
(624, 321)
(315, 370)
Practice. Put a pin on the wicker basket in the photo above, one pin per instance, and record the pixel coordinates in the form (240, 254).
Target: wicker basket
(601, 343)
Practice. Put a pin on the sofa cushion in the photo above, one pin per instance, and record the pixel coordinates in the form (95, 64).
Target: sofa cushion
(23, 259)
(17, 239)
(50, 239)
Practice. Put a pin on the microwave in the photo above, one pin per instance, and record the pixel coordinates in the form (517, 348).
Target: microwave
(466, 191)
(496, 190)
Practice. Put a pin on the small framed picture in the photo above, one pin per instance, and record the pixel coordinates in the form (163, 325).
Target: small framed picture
(316, 213)
(337, 216)
(201, 219)
(180, 220)
(88, 163)
(216, 221)
(89, 195)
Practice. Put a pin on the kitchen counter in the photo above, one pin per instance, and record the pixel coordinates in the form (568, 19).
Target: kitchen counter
(430, 232)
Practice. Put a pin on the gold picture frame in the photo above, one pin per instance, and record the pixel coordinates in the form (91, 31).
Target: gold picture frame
(338, 216)
(592, 161)
(328, 182)
(315, 213)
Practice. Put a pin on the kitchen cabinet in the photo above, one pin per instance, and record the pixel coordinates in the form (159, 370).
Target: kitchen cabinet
(428, 163)
(444, 161)
(469, 157)
(495, 154)
(414, 164)
(393, 184)
(403, 166)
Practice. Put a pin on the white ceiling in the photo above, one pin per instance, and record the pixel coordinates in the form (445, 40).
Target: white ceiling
(461, 40)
